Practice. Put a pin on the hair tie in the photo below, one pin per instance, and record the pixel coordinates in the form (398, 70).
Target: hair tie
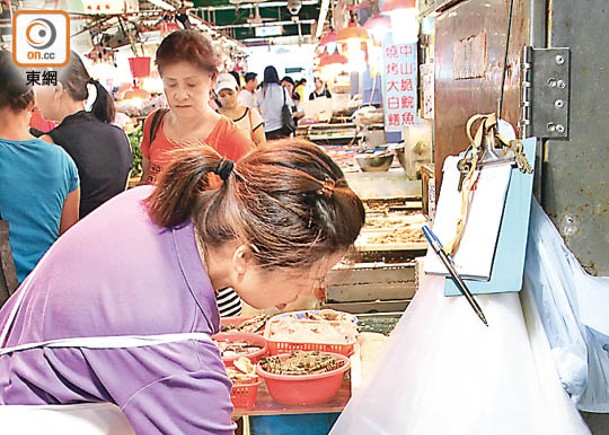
(91, 81)
(327, 188)
(224, 168)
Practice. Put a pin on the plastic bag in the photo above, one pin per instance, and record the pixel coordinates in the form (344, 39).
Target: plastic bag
(573, 308)
(444, 372)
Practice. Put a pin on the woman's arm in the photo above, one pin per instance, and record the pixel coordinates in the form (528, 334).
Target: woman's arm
(145, 171)
(299, 112)
(69, 212)
(259, 136)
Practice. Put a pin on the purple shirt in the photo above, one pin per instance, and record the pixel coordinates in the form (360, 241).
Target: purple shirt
(116, 273)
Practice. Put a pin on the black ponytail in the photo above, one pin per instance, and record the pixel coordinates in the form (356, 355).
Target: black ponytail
(103, 107)
(74, 77)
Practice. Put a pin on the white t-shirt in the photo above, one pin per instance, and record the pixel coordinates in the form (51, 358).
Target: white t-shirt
(270, 104)
(249, 122)
(247, 98)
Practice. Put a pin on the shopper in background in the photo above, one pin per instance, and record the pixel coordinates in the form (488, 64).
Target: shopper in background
(271, 100)
(188, 66)
(301, 88)
(320, 91)
(288, 83)
(246, 118)
(274, 225)
(100, 149)
(296, 107)
(39, 190)
(247, 96)
(237, 78)
(298, 111)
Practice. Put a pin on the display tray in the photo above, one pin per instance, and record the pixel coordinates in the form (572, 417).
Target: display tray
(278, 345)
(363, 243)
(375, 224)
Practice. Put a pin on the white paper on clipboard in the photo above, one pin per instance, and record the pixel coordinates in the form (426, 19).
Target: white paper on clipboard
(474, 258)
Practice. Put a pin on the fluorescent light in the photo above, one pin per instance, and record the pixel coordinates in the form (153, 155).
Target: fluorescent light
(323, 12)
(162, 4)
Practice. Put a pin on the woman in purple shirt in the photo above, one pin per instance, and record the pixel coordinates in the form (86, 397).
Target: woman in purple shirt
(147, 265)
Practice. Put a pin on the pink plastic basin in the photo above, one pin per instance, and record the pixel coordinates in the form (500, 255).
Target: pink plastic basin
(305, 389)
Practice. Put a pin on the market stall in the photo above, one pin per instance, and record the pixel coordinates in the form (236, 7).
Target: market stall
(391, 86)
(283, 401)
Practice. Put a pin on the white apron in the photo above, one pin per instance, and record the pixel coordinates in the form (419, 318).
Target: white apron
(79, 419)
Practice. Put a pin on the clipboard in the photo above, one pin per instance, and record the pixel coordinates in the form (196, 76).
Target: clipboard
(508, 264)
(474, 258)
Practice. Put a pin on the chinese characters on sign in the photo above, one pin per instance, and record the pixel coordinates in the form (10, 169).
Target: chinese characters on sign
(399, 85)
(41, 78)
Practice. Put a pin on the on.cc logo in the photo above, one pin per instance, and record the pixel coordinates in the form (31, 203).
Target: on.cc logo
(40, 34)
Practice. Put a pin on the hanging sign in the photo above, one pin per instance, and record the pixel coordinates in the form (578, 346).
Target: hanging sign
(399, 85)
(110, 6)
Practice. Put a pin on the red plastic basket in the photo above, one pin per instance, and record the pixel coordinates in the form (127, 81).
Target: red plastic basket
(305, 389)
(277, 346)
(233, 337)
(244, 395)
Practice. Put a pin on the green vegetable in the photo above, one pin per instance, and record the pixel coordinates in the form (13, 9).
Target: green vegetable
(135, 138)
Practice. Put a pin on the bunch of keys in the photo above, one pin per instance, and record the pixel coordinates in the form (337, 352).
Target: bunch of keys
(521, 159)
(464, 165)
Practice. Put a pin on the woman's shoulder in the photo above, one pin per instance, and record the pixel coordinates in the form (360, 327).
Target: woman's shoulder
(158, 114)
(245, 113)
(50, 153)
(256, 116)
(223, 129)
(229, 140)
(34, 143)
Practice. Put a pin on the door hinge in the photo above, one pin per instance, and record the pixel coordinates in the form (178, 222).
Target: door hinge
(545, 83)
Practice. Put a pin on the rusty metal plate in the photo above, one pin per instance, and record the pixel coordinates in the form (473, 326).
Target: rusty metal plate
(575, 177)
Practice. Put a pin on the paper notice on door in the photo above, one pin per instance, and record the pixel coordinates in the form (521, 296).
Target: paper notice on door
(474, 258)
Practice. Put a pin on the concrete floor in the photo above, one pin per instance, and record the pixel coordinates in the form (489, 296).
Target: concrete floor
(598, 423)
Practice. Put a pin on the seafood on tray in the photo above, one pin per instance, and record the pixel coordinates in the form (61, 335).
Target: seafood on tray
(293, 330)
(393, 222)
(243, 372)
(253, 325)
(232, 349)
(402, 235)
(327, 314)
(301, 363)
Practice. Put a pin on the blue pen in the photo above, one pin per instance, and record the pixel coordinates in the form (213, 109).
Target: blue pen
(450, 265)
(430, 235)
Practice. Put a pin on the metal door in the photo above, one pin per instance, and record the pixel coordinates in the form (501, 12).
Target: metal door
(469, 49)
(575, 174)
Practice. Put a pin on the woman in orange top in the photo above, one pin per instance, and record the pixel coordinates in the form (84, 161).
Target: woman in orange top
(189, 68)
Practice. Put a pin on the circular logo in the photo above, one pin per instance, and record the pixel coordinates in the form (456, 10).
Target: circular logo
(40, 34)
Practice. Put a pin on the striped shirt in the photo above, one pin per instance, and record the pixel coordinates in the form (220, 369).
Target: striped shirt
(229, 302)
